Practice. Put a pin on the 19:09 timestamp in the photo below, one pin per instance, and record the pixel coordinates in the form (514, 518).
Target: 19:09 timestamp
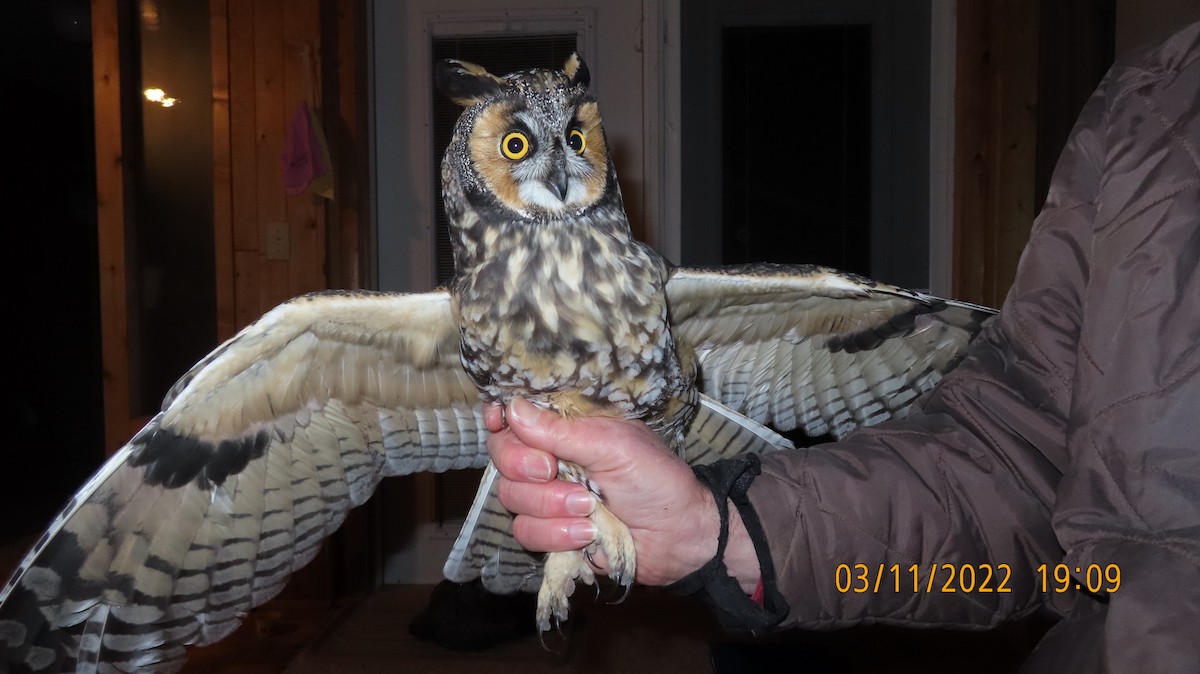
(1095, 578)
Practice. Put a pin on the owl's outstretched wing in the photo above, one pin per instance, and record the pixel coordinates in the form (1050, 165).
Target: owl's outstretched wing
(801, 346)
(258, 454)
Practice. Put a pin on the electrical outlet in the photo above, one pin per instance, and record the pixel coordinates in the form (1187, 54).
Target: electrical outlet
(278, 243)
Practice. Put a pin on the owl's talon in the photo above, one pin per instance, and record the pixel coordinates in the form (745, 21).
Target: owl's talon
(624, 595)
(614, 538)
(561, 640)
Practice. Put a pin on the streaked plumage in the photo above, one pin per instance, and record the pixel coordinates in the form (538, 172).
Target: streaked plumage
(262, 448)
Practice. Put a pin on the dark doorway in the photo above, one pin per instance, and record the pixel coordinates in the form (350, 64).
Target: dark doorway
(796, 145)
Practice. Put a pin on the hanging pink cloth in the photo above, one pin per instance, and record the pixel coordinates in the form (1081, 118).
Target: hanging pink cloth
(305, 160)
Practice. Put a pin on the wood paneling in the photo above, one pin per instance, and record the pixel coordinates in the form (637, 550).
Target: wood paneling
(275, 66)
(110, 212)
(266, 61)
(227, 321)
(1024, 70)
(349, 246)
(273, 61)
(995, 144)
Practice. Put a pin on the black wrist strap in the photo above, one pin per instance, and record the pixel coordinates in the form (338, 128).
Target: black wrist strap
(729, 480)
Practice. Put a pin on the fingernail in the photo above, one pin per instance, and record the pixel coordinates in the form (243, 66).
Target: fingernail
(582, 533)
(580, 503)
(522, 411)
(538, 468)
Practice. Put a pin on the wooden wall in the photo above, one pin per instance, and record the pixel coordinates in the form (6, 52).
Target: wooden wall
(119, 423)
(281, 54)
(271, 246)
(995, 144)
(1024, 70)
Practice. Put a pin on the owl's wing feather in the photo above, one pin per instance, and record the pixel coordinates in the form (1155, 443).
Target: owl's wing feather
(802, 346)
(257, 456)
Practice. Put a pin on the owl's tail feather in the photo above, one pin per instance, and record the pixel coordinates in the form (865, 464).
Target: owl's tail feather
(485, 548)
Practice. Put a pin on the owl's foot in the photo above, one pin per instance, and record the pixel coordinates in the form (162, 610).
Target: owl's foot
(558, 584)
(613, 537)
(563, 569)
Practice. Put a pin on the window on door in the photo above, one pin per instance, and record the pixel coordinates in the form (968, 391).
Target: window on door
(500, 55)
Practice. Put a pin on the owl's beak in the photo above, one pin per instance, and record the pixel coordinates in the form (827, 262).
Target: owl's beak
(556, 181)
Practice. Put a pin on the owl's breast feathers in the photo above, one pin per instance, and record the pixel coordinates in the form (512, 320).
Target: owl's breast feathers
(555, 300)
(576, 318)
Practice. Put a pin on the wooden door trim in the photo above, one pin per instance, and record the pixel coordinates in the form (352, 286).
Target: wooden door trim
(222, 168)
(110, 216)
(119, 422)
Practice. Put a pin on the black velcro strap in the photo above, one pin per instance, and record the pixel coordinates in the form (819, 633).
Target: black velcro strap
(729, 480)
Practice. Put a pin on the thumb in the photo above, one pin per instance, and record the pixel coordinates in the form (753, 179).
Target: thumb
(548, 431)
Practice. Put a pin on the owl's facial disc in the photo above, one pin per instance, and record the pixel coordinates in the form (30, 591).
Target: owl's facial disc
(537, 163)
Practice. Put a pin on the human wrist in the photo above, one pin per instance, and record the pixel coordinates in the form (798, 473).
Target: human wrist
(739, 556)
(732, 592)
(698, 545)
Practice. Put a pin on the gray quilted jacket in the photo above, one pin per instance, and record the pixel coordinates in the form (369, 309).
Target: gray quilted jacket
(1070, 435)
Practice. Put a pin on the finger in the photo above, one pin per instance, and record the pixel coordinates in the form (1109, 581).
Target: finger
(554, 499)
(493, 417)
(553, 535)
(517, 461)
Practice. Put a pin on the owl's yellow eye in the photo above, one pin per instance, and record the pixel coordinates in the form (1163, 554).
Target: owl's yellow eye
(515, 145)
(575, 141)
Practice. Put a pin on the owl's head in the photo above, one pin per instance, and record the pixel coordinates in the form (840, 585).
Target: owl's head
(530, 142)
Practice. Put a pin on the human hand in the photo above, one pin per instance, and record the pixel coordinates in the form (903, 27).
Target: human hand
(671, 516)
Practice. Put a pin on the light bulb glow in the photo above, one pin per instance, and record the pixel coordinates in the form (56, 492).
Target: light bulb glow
(156, 95)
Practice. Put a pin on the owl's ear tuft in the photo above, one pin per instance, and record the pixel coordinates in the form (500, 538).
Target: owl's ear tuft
(576, 71)
(466, 83)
